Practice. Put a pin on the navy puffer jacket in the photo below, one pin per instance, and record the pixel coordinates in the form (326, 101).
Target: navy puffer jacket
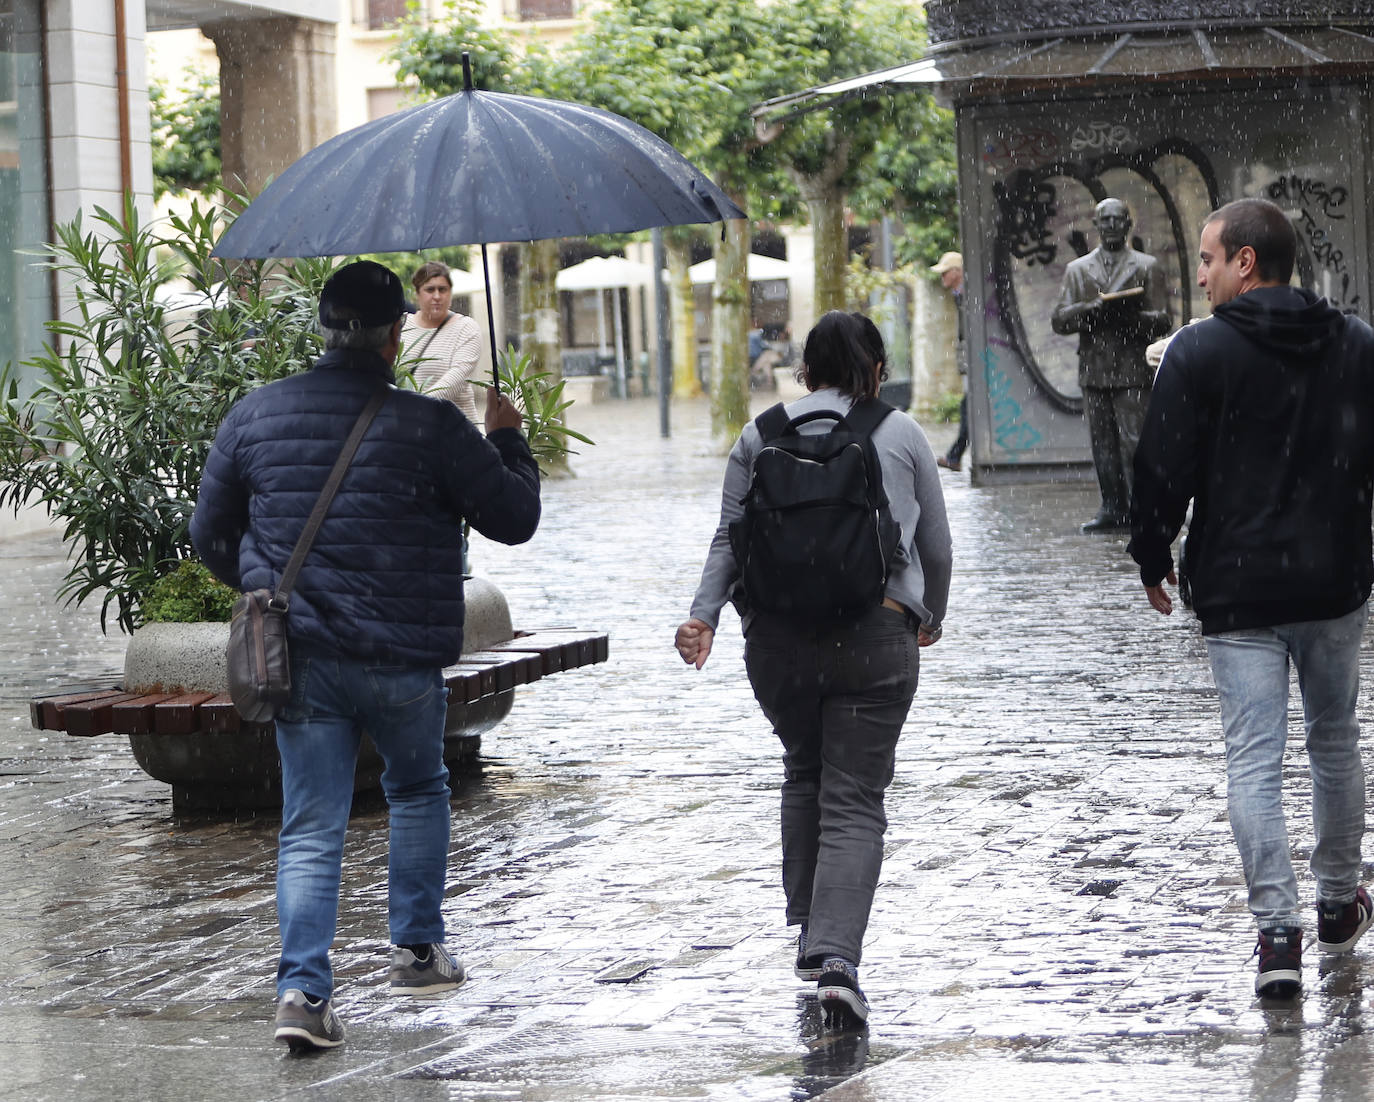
(383, 580)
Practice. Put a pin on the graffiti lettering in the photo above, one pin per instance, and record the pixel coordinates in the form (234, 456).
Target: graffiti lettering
(1324, 250)
(1009, 428)
(1100, 136)
(1311, 194)
(1025, 147)
(1319, 204)
(1023, 212)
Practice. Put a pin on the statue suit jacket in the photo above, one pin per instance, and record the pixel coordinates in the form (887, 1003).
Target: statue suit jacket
(1112, 339)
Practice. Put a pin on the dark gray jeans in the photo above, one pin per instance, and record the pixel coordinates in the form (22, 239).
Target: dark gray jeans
(837, 698)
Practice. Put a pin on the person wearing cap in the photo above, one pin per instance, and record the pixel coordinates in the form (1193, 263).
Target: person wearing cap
(950, 269)
(376, 615)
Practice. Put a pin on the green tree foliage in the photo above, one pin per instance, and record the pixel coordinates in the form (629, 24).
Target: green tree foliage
(429, 51)
(185, 135)
(690, 70)
(913, 176)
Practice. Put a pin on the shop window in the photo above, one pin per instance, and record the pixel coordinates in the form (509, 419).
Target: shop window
(384, 13)
(531, 10)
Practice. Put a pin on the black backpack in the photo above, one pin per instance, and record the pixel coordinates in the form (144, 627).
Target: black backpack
(817, 538)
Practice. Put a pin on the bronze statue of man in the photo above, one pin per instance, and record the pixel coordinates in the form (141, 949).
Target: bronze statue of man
(1114, 299)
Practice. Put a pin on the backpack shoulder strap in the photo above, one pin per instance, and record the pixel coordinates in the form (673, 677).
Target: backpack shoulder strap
(866, 415)
(772, 422)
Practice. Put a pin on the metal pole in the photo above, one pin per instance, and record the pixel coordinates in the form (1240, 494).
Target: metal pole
(665, 353)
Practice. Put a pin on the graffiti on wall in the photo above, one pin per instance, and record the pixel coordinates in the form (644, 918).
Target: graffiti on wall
(1318, 205)
(1011, 431)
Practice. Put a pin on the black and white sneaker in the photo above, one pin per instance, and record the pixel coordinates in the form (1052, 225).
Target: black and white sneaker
(307, 1026)
(1280, 962)
(840, 996)
(436, 971)
(1341, 925)
(806, 968)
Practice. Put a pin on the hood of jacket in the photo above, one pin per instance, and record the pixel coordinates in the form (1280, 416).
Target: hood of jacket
(1289, 321)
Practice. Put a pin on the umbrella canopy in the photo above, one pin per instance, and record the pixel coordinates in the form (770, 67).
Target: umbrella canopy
(475, 167)
(759, 267)
(601, 272)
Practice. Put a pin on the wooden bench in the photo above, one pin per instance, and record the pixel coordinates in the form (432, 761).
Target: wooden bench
(90, 711)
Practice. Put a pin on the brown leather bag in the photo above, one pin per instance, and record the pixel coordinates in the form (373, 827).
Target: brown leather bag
(258, 664)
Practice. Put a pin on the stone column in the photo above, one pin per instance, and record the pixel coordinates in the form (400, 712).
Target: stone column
(277, 101)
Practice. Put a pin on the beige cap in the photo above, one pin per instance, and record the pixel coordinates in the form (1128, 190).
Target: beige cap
(948, 261)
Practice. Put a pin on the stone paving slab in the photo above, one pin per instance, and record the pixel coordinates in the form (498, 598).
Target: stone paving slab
(1061, 912)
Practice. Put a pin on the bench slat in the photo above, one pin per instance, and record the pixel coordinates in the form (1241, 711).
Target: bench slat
(218, 714)
(92, 717)
(135, 717)
(561, 648)
(180, 715)
(45, 713)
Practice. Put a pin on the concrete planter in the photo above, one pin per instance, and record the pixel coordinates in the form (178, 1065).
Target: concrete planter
(216, 771)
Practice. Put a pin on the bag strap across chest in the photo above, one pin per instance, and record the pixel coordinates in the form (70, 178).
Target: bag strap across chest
(282, 596)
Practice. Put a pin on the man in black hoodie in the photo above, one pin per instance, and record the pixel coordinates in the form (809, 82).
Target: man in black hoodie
(1263, 417)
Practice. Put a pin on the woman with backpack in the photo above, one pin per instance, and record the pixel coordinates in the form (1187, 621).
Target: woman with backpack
(833, 612)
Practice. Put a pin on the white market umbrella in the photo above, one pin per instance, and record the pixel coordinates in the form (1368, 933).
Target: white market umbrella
(466, 282)
(601, 273)
(759, 267)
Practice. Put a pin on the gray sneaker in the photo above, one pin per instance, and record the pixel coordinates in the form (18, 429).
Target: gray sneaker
(305, 1027)
(410, 975)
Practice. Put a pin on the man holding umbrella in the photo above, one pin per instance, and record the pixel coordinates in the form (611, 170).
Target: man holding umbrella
(376, 615)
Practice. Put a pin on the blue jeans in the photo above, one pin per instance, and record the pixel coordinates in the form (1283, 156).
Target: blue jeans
(402, 708)
(1250, 669)
(837, 698)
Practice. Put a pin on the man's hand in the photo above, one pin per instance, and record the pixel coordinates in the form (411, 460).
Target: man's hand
(693, 642)
(1159, 597)
(502, 413)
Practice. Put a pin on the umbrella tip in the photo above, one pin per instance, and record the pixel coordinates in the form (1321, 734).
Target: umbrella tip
(467, 72)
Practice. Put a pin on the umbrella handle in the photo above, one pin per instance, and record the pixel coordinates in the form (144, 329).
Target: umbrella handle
(491, 317)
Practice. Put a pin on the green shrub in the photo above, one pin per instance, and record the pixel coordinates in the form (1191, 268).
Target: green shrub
(187, 595)
(946, 408)
(110, 432)
(541, 400)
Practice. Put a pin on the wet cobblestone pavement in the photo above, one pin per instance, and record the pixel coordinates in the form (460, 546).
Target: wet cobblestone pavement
(1061, 912)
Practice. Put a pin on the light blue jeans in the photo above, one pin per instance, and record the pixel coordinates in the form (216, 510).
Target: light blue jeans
(402, 708)
(1250, 669)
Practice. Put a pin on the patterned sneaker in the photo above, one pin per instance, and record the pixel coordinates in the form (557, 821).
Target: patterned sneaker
(806, 968)
(838, 991)
(1280, 962)
(437, 971)
(1341, 925)
(306, 1027)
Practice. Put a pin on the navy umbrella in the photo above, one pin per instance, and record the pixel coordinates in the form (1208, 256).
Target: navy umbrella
(472, 168)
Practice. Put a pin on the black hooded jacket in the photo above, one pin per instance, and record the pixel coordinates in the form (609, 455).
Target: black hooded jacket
(1263, 417)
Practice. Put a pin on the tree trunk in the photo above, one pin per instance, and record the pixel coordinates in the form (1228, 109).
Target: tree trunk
(832, 248)
(686, 381)
(539, 336)
(730, 335)
(539, 307)
(824, 198)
